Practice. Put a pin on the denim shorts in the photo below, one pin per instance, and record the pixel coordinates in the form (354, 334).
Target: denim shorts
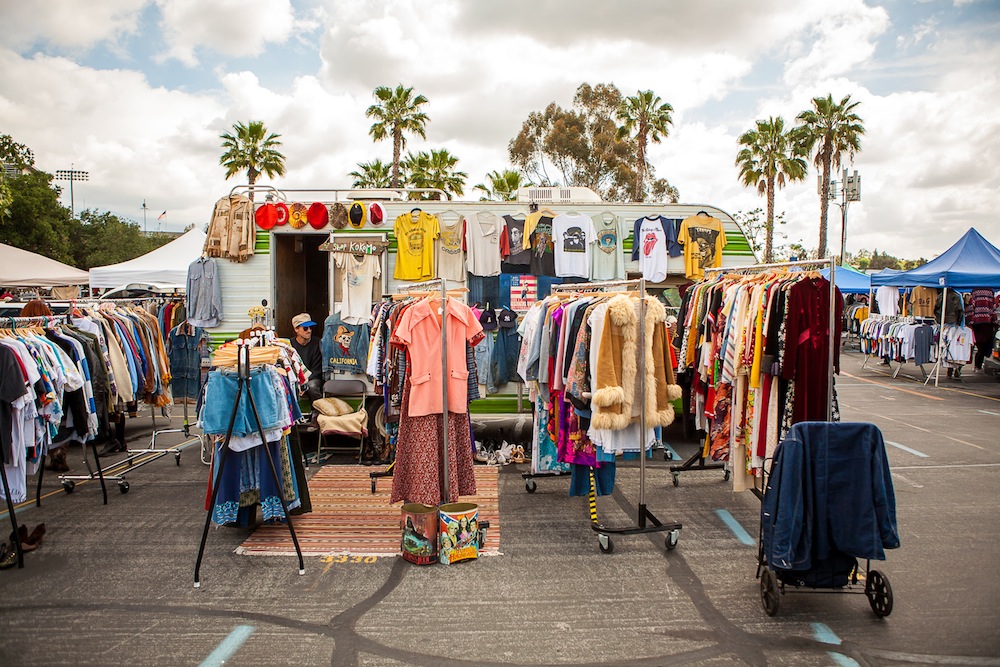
(220, 395)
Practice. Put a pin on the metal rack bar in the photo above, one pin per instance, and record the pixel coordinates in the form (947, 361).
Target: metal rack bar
(774, 265)
(400, 193)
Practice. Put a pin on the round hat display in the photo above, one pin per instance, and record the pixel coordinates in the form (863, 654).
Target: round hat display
(266, 216)
(376, 214)
(297, 215)
(338, 216)
(357, 215)
(317, 216)
(282, 213)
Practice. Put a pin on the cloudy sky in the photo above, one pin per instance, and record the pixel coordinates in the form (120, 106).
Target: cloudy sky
(137, 92)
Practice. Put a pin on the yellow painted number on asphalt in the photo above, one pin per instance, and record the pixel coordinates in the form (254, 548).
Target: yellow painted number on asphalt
(343, 558)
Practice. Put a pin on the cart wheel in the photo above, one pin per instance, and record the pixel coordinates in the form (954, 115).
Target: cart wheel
(725, 476)
(123, 487)
(672, 538)
(68, 486)
(879, 593)
(667, 455)
(605, 543)
(530, 486)
(677, 478)
(177, 458)
(769, 594)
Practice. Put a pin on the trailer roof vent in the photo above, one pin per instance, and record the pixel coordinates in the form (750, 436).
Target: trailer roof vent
(555, 195)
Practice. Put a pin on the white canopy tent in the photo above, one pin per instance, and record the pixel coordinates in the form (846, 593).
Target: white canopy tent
(166, 266)
(22, 268)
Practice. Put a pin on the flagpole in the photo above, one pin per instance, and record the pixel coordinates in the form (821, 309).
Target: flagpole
(143, 216)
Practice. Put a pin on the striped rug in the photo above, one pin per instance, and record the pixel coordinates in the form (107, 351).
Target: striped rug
(348, 519)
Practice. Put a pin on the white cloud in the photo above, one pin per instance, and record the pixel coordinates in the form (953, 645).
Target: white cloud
(836, 42)
(67, 24)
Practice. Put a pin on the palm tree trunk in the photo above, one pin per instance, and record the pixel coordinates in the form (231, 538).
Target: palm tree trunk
(251, 179)
(397, 147)
(824, 203)
(769, 239)
(641, 175)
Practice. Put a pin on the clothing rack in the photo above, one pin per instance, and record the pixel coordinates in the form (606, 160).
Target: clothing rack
(646, 521)
(243, 385)
(905, 319)
(697, 460)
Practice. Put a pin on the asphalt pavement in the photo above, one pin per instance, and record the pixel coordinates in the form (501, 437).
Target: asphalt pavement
(112, 584)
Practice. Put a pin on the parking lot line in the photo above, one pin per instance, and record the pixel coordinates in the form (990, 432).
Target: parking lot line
(889, 386)
(738, 530)
(907, 449)
(990, 412)
(229, 646)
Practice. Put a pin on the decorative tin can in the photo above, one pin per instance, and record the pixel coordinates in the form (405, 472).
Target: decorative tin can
(459, 532)
(419, 524)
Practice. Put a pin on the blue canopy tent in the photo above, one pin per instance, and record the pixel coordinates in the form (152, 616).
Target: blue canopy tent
(849, 281)
(972, 262)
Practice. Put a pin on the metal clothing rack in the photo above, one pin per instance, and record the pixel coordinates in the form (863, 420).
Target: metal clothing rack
(906, 319)
(646, 521)
(243, 385)
(697, 460)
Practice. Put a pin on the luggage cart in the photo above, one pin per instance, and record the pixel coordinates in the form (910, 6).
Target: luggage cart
(839, 571)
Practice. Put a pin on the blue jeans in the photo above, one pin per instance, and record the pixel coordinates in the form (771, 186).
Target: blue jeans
(220, 395)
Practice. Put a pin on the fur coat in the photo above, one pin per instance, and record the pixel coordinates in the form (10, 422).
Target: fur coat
(614, 401)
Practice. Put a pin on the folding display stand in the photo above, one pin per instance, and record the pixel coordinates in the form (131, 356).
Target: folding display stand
(12, 515)
(697, 460)
(243, 385)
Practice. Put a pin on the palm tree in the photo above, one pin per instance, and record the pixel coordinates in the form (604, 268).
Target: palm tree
(646, 117)
(833, 129)
(415, 168)
(433, 170)
(396, 112)
(503, 185)
(768, 159)
(372, 174)
(250, 147)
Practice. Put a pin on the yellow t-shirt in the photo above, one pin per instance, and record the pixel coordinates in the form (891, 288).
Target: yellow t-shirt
(703, 239)
(415, 233)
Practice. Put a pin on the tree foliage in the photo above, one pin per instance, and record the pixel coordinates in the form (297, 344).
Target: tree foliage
(645, 118)
(37, 221)
(397, 112)
(15, 154)
(502, 185)
(103, 238)
(436, 169)
(251, 148)
(755, 227)
(374, 174)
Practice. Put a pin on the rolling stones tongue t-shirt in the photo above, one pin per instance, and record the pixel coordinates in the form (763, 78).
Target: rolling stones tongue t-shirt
(572, 236)
(543, 261)
(651, 243)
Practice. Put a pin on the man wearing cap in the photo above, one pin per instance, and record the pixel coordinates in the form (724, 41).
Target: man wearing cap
(309, 350)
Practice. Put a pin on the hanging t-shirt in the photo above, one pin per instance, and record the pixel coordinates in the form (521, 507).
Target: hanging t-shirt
(415, 233)
(358, 274)
(344, 345)
(516, 258)
(703, 239)
(607, 259)
(538, 227)
(482, 243)
(887, 298)
(572, 234)
(450, 255)
(922, 300)
(650, 246)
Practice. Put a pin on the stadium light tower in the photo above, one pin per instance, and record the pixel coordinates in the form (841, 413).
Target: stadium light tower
(847, 190)
(72, 175)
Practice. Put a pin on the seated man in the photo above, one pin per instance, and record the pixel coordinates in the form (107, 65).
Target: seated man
(308, 348)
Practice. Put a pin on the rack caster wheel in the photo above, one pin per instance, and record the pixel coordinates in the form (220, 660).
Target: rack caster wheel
(177, 458)
(677, 478)
(879, 593)
(672, 538)
(68, 486)
(530, 486)
(123, 487)
(668, 455)
(605, 544)
(769, 593)
(374, 484)
(725, 476)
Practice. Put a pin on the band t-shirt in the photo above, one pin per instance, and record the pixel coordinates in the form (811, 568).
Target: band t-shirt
(650, 243)
(607, 260)
(572, 236)
(344, 345)
(538, 227)
(415, 233)
(358, 276)
(516, 259)
(450, 255)
(703, 238)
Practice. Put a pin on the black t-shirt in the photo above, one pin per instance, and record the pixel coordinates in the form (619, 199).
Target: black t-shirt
(12, 387)
(543, 257)
(311, 355)
(520, 258)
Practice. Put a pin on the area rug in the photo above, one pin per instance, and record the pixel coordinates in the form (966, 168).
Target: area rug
(348, 519)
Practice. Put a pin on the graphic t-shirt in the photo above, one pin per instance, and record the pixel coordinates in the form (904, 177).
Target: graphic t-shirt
(358, 274)
(703, 239)
(415, 233)
(450, 255)
(572, 236)
(482, 242)
(922, 300)
(344, 345)
(516, 259)
(650, 244)
(538, 227)
(607, 260)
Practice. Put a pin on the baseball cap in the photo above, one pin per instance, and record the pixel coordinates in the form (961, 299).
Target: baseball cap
(317, 215)
(303, 320)
(489, 320)
(376, 214)
(507, 318)
(356, 215)
(266, 216)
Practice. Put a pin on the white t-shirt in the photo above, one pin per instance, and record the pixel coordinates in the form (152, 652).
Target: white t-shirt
(572, 235)
(450, 256)
(357, 280)
(887, 298)
(652, 243)
(482, 241)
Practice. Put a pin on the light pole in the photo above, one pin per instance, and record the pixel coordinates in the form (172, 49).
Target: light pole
(850, 190)
(72, 175)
